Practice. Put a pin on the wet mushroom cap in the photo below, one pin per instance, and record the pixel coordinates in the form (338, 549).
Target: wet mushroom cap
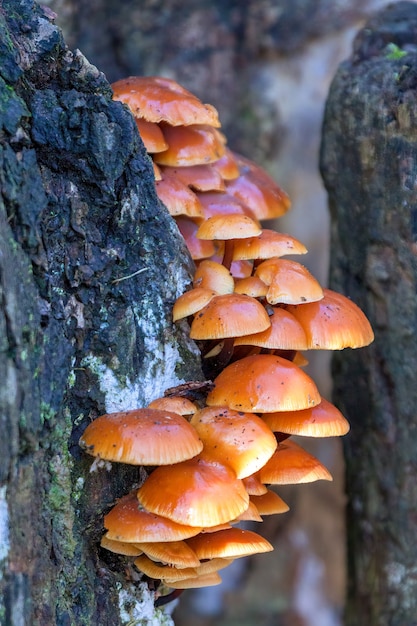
(269, 503)
(198, 492)
(120, 547)
(289, 282)
(141, 437)
(190, 145)
(241, 440)
(333, 323)
(284, 333)
(268, 244)
(192, 302)
(176, 553)
(291, 464)
(230, 543)
(322, 420)
(229, 315)
(263, 383)
(158, 571)
(128, 521)
(157, 99)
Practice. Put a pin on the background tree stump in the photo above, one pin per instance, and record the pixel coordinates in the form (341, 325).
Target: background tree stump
(369, 165)
(90, 266)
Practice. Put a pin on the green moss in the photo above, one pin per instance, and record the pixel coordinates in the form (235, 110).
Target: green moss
(47, 413)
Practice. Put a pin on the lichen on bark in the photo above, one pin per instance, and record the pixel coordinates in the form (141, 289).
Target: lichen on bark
(79, 221)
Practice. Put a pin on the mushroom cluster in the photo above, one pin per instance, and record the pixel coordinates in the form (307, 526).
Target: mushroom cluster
(253, 314)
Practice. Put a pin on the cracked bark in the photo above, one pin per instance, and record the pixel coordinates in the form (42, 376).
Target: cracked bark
(369, 165)
(90, 265)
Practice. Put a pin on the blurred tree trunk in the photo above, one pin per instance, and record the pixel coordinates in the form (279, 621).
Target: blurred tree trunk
(90, 265)
(369, 164)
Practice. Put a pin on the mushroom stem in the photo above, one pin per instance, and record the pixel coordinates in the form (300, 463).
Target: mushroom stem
(212, 366)
(229, 246)
(168, 597)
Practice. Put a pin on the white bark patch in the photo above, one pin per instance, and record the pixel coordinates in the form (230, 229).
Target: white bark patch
(140, 612)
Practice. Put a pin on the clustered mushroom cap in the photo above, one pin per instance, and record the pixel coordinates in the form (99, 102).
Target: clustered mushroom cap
(333, 323)
(176, 553)
(241, 440)
(268, 244)
(230, 543)
(120, 547)
(262, 384)
(190, 302)
(284, 333)
(291, 464)
(269, 503)
(158, 99)
(214, 275)
(199, 492)
(289, 282)
(128, 521)
(190, 145)
(141, 437)
(322, 420)
(229, 315)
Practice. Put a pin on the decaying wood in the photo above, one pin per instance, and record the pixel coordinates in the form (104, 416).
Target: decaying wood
(369, 164)
(90, 265)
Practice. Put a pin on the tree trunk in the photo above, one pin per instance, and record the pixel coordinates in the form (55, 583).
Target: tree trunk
(90, 265)
(369, 164)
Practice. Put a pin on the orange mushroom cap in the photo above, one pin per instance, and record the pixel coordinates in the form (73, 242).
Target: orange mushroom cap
(285, 333)
(289, 282)
(120, 547)
(178, 198)
(198, 248)
(254, 486)
(190, 145)
(174, 404)
(151, 135)
(199, 492)
(159, 99)
(263, 383)
(191, 302)
(229, 315)
(129, 522)
(202, 580)
(168, 573)
(230, 543)
(258, 190)
(241, 440)
(221, 203)
(198, 177)
(141, 437)
(269, 503)
(251, 286)
(227, 165)
(322, 420)
(266, 245)
(213, 275)
(176, 553)
(291, 464)
(233, 226)
(333, 323)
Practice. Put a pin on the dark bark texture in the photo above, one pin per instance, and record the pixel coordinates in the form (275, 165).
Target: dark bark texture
(90, 265)
(369, 164)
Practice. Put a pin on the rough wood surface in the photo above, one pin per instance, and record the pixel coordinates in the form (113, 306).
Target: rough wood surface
(90, 265)
(369, 164)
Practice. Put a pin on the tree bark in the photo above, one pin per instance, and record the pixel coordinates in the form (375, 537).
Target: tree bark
(369, 165)
(90, 266)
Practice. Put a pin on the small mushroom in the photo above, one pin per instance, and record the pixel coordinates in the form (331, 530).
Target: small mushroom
(141, 437)
(198, 492)
(291, 464)
(263, 383)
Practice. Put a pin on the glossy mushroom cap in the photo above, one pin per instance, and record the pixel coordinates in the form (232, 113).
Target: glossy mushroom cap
(322, 420)
(263, 383)
(141, 437)
(198, 492)
(333, 323)
(158, 99)
(291, 464)
(241, 440)
(230, 543)
(229, 315)
(129, 522)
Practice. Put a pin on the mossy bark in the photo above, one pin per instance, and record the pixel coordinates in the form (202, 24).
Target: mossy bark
(369, 165)
(90, 265)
